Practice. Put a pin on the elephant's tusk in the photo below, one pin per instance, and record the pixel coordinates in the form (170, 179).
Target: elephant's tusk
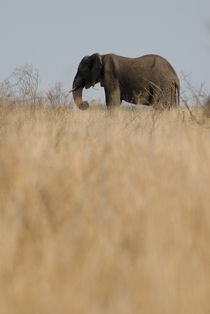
(72, 90)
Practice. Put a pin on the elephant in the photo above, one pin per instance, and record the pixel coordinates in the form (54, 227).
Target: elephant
(148, 80)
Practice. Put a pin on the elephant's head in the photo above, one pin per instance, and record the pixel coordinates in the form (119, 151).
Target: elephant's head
(88, 74)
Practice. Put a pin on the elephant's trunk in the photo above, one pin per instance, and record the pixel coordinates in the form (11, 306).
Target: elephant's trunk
(77, 95)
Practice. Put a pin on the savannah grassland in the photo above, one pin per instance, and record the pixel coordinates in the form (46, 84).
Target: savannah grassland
(104, 212)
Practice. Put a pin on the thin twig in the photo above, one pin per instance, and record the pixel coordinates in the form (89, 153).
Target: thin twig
(190, 111)
(72, 90)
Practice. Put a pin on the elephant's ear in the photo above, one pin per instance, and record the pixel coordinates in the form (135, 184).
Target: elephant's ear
(96, 66)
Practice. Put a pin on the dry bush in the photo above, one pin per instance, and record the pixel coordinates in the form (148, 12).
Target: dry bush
(193, 98)
(103, 212)
(21, 85)
(57, 96)
(194, 95)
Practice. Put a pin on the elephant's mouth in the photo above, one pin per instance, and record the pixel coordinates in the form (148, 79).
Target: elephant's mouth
(88, 85)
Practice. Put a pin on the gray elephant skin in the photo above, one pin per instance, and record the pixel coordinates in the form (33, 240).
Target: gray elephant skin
(147, 80)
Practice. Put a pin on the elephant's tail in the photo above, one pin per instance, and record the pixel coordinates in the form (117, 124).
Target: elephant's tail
(177, 92)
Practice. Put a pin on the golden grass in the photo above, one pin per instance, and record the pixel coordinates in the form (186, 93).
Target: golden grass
(103, 212)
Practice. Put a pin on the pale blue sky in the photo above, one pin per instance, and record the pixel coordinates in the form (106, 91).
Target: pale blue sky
(53, 35)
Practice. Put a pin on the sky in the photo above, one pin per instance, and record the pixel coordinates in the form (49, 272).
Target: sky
(54, 35)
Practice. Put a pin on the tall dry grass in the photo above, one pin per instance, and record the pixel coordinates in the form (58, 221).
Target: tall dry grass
(104, 212)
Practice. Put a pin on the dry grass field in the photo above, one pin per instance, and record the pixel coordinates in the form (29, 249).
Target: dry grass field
(104, 212)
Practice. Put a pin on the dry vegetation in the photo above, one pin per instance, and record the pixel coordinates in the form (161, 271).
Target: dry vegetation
(104, 212)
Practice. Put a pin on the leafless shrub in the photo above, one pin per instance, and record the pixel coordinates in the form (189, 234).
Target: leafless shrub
(4, 89)
(192, 94)
(27, 81)
(21, 85)
(196, 97)
(56, 96)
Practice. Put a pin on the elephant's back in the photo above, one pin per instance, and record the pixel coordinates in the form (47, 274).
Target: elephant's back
(153, 58)
(154, 62)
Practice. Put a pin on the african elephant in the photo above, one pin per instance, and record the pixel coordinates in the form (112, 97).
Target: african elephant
(147, 80)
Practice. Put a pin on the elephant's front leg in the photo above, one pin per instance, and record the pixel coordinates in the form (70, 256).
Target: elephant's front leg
(112, 97)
